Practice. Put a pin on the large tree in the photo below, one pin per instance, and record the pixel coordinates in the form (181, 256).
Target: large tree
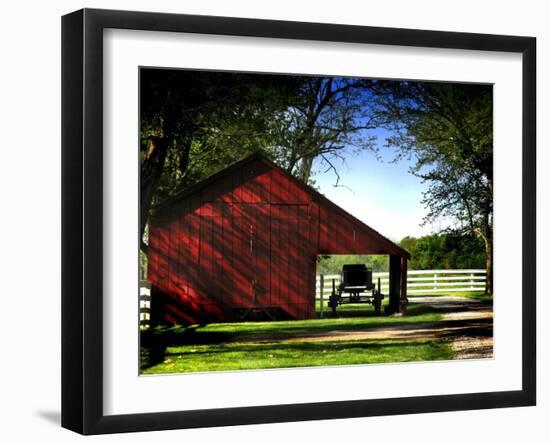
(329, 116)
(448, 129)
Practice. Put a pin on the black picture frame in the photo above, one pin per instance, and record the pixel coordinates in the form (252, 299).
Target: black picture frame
(82, 218)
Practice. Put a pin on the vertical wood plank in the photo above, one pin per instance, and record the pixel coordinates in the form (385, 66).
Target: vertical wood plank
(283, 249)
(305, 259)
(294, 255)
(173, 230)
(275, 256)
(162, 258)
(184, 251)
(217, 247)
(193, 256)
(314, 249)
(206, 259)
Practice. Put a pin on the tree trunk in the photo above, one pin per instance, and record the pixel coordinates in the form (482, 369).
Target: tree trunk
(305, 169)
(151, 171)
(292, 160)
(488, 266)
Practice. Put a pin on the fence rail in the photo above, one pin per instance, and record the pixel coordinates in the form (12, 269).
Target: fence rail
(420, 282)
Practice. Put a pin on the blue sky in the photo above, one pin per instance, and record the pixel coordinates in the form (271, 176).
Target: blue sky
(383, 194)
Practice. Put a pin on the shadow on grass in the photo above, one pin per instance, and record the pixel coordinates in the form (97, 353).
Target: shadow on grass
(154, 342)
(220, 332)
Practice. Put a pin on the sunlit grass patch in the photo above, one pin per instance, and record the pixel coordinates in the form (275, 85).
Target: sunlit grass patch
(240, 356)
(478, 295)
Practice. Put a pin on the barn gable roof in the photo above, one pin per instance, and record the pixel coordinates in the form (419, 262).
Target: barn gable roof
(318, 197)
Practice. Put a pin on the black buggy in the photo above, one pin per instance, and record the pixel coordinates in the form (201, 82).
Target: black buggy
(356, 287)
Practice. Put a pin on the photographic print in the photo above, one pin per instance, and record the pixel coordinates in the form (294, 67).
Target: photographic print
(298, 221)
(249, 204)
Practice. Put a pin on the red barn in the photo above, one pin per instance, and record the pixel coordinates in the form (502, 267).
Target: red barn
(246, 239)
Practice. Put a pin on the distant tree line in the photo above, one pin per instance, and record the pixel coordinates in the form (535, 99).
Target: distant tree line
(445, 251)
(332, 264)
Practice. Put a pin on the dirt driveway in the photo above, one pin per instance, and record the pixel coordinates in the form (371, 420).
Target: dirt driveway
(467, 323)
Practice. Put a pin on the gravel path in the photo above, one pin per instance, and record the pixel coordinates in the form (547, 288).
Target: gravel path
(478, 341)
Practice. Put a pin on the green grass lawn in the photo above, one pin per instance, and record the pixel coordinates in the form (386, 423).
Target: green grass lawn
(478, 295)
(257, 345)
(238, 356)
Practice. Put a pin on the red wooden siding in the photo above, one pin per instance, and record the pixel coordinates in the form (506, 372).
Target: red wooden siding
(247, 238)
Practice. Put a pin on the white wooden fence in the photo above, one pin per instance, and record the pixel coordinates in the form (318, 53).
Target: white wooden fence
(421, 282)
(144, 303)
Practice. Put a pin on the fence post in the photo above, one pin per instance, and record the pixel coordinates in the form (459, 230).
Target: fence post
(321, 288)
(472, 280)
(435, 282)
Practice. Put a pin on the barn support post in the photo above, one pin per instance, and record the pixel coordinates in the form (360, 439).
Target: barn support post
(403, 296)
(395, 284)
(321, 289)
